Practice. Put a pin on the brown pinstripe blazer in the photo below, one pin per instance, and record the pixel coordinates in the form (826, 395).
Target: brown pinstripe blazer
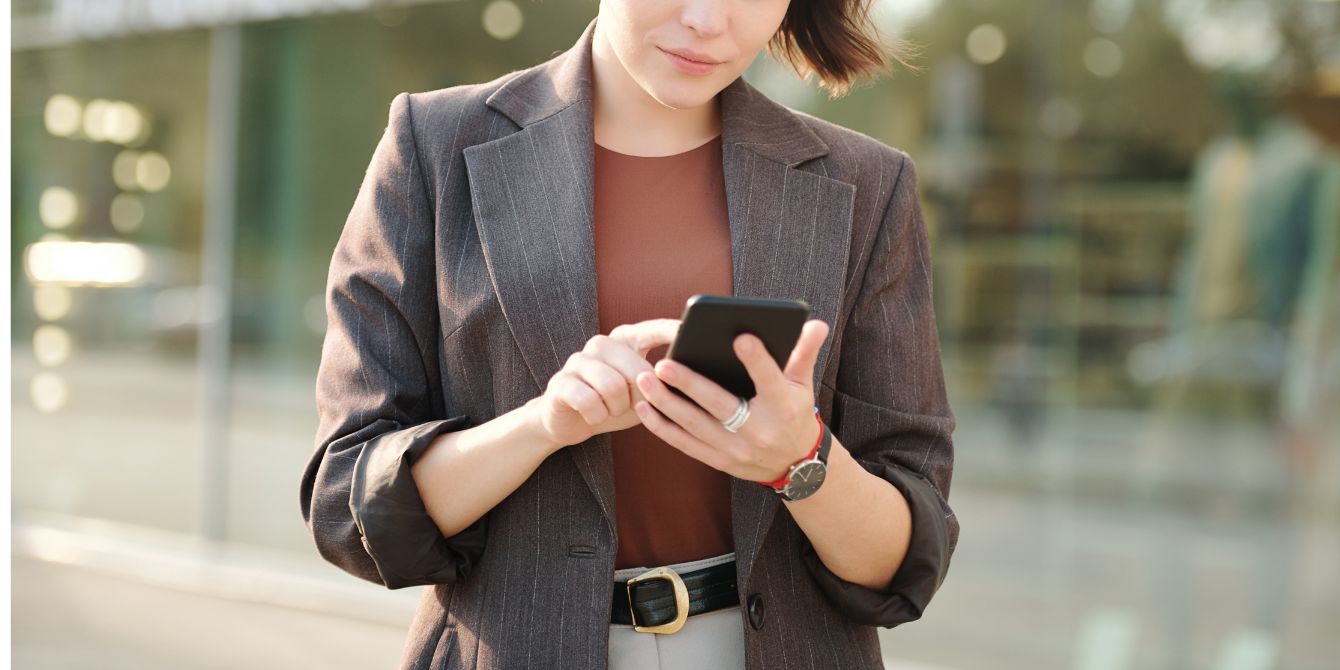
(464, 277)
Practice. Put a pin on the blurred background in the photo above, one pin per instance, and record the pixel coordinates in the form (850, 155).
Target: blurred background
(1135, 210)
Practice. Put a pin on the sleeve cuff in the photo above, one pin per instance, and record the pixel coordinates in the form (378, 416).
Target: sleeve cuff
(921, 572)
(405, 543)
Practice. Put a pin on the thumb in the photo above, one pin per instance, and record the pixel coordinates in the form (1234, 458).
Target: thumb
(800, 366)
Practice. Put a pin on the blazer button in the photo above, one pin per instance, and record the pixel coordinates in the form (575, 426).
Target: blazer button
(755, 609)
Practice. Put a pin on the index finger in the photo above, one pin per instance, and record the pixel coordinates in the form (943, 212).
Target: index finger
(644, 336)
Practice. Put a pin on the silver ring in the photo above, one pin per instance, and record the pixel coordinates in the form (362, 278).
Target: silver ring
(738, 418)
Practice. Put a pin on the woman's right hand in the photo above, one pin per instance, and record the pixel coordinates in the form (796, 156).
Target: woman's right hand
(596, 390)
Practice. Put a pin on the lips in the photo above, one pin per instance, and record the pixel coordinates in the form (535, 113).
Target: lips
(695, 56)
(690, 62)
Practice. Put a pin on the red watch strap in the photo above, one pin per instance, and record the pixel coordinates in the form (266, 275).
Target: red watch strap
(786, 477)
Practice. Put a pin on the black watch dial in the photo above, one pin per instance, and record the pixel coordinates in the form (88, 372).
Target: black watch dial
(805, 480)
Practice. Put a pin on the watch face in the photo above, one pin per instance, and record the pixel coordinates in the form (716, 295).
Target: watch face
(805, 480)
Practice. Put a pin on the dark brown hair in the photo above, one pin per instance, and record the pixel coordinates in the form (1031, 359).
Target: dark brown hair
(836, 41)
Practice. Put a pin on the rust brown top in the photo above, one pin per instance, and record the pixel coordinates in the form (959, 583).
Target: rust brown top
(662, 235)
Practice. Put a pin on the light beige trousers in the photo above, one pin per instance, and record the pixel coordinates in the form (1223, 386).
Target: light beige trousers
(711, 641)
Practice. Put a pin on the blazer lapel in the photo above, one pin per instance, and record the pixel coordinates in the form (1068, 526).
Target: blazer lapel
(533, 199)
(534, 203)
(790, 236)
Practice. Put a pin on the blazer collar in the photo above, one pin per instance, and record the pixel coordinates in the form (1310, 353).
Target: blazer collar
(533, 196)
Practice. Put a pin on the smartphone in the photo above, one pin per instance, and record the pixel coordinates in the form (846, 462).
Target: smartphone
(710, 324)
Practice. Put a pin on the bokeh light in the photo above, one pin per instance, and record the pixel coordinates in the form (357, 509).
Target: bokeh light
(123, 123)
(85, 263)
(62, 115)
(48, 391)
(125, 170)
(52, 344)
(986, 44)
(152, 171)
(52, 302)
(95, 119)
(1103, 57)
(502, 19)
(58, 207)
(127, 212)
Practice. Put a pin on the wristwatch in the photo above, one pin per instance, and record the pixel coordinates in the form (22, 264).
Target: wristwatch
(805, 476)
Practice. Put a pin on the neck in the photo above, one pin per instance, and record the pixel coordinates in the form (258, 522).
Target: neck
(629, 120)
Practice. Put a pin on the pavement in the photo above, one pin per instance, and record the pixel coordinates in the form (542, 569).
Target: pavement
(90, 593)
(75, 617)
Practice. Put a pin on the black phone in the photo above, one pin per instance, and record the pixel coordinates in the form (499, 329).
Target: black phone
(710, 324)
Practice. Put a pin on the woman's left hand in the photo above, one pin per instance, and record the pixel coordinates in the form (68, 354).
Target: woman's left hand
(780, 430)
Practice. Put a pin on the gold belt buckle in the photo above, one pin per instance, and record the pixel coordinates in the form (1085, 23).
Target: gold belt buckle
(681, 600)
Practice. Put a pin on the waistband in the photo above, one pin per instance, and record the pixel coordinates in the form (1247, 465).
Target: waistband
(661, 599)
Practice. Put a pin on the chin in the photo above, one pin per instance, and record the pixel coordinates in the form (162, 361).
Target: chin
(686, 95)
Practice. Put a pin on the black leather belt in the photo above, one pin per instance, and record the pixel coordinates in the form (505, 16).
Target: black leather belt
(661, 599)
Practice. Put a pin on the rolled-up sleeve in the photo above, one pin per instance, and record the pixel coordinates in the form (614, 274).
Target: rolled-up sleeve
(378, 387)
(891, 411)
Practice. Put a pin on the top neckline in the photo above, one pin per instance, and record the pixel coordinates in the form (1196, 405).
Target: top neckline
(700, 147)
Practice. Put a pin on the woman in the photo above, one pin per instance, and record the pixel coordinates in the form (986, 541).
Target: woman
(514, 261)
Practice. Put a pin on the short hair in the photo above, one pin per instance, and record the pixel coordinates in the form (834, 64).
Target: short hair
(836, 41)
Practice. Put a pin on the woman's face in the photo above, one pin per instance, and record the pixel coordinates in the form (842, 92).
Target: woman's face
(729, 33)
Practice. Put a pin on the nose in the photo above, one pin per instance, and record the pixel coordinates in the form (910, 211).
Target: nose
(705, 17)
